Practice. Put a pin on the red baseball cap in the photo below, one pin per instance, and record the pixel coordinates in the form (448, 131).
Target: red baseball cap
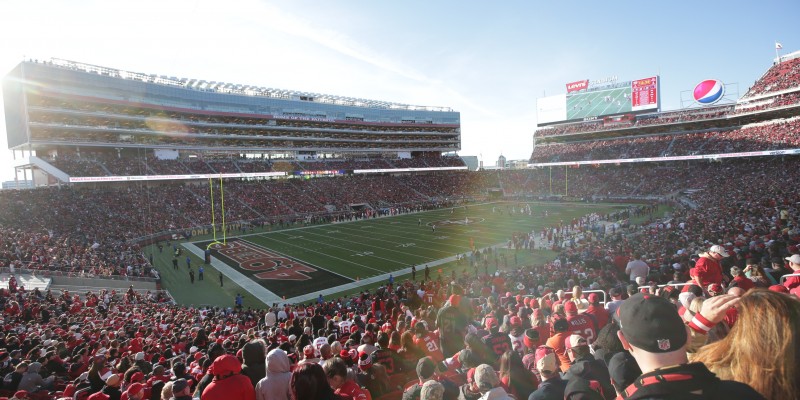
(779, 289)
(135, 388)
(137, 377)
(570, 308)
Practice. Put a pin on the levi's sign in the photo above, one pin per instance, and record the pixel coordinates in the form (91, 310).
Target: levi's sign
(576, 86)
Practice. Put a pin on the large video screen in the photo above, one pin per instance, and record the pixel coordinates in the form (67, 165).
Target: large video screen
(591, 102)
(615, 100)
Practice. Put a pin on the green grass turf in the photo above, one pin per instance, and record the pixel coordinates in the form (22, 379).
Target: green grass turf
(366, 248)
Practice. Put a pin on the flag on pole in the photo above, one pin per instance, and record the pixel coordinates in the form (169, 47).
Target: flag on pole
(778, 46)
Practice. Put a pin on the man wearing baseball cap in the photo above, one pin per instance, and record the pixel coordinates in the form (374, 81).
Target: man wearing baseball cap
(657, 338)
(495, 341)
(556, 342)
(552, 386)
(582, 324)
(708, 269)
(469, 390)
(792, 282)
(134, 392)
(584, 365)
(597, 311)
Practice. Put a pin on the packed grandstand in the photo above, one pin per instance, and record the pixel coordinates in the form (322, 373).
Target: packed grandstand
(719, 295)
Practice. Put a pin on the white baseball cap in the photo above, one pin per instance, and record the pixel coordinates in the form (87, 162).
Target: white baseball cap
(794, 259)
(719, 250)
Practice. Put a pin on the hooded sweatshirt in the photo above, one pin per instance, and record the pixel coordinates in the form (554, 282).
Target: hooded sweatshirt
(275, 386)
(228, 383)
(31, 380)
(253, 367)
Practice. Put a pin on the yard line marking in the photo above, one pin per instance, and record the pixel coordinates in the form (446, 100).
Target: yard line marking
(502, 230)
(329, 255)
(393, 242)
(362, 245)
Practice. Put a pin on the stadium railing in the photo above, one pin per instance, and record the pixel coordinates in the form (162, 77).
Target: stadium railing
(585, 292)
(676, 285)
(605, 295)
(783, 278)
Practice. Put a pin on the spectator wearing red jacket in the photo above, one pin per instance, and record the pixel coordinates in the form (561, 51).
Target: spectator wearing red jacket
(229, 383)
(792, 282)
(708, 268)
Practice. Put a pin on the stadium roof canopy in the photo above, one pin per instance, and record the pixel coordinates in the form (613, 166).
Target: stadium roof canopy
(240, 89)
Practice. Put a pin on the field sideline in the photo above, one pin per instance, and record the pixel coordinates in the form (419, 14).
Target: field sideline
(334, 254)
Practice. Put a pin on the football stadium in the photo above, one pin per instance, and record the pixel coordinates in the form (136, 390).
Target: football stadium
(185, 238)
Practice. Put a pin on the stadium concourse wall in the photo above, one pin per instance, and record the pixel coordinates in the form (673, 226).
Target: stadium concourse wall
(60, 280)
(105, 283)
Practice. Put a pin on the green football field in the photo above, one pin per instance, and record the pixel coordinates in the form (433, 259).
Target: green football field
(326, 256)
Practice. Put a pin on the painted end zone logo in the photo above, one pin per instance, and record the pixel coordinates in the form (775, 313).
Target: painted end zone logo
(450, 222)
(264, 263)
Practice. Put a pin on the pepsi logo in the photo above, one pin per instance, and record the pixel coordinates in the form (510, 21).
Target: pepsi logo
(709, 91)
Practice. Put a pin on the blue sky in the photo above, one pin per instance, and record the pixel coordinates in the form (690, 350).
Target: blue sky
(488, 61)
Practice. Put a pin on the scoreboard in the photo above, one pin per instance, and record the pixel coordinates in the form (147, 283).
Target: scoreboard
(644, 94)
(589, 100)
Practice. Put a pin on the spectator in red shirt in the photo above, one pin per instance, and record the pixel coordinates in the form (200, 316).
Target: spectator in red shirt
(428, 342)
(740, 280)
(228, 381)
(580, 324)
(708, 267)
(336, 372)
(792, 282)
(600, 314)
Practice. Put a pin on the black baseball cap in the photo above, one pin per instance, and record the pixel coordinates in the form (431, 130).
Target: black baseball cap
(652, 324)
(179, 385)
(579, 388)
(623, 370)
(425, 367)
(560, 325)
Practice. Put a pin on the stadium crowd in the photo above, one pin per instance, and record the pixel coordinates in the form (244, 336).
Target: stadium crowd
(492, 331)
(693, 305)
(112, 164)
(776, 135)
(780, 76)
(649, 120)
